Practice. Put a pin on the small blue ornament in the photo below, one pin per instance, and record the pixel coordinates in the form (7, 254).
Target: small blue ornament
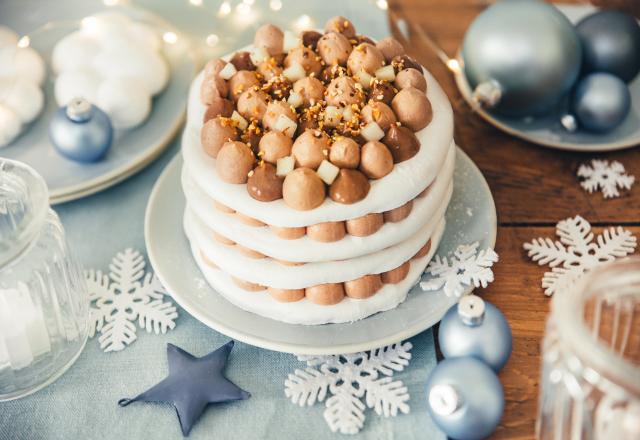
(476, 328)
(465, 398)
(192, 384)
(611, 44)
(81, 131)
(600, 102)
(521, 57)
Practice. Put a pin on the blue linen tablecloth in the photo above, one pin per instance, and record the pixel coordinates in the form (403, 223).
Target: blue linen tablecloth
(82, 404)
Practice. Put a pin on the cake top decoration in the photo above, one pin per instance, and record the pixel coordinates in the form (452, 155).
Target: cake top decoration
(309, 116)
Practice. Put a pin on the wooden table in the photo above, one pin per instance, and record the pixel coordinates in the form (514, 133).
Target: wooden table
(534, 188)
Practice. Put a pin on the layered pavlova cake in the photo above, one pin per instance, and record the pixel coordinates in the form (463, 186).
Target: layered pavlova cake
(317, 171)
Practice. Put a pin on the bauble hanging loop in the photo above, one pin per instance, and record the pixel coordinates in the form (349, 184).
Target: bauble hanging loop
(81, 131)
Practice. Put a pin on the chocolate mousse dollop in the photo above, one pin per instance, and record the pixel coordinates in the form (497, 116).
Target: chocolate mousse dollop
(341, 25)
(235, 160)
(269, 38)
(401, 142)
(334, 48)
(311, 148)
(215, 133)
(365, 57)
(350, 186)
(390, 48)
(412, 108)
(263, 183)
(303, 189)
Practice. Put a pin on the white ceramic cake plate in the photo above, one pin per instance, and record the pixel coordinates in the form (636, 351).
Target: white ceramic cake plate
(131, 151)
(548, 131)
(471, 217)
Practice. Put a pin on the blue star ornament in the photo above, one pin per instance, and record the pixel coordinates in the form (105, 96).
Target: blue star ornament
(192, 384)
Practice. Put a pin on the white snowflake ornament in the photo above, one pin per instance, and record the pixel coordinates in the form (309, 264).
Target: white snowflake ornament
(127, 293)
(349, 378)
(577, 252)
(467, 267)
(606, 177)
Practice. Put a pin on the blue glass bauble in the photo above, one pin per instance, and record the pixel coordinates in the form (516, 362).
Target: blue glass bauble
(524, 54)
(81, 131)
(465, 398)
(611, 43)
(476, 328)
(600, 102)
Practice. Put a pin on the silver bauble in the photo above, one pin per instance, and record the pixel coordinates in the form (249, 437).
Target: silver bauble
(81, 131)
(524, 54)
(600, 102)
(476, 328)
(465, 398)
(611, 43)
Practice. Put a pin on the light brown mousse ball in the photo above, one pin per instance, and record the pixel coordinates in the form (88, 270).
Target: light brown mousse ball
(252, 104)
(363, 287)
(218, 107)
(327, 232)
(246, 285)
(274, 145)
(242, 61)
(365, 225)
(311, 90)
(289, 233)
(215, 133)
(263, 184)
(380, 113)
(341, 25)
(424, 250)
(375, 160)
(342, 92)
(214, 67)
(307, 58)
(350, 186)
(234, 162)
(273, 112)
(345, 153)
(396, 275)
(286, 295)
(211, 88)
(390, 48)
(270, 38)
(412, 108)
(401, 142)
(269, 69)
(365, 57)
(334, 48)
(411, 78)
(398, 214)
(325, 294)
(241, 81)
(310, 148)
(303, 189)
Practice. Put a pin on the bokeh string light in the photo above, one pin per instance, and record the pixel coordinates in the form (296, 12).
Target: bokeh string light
(243, 13)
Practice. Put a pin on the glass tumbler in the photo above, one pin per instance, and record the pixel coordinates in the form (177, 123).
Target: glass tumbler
(590, 386)
(44, 303)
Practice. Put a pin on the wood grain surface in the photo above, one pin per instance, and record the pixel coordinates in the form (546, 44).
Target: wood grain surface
(534, 188)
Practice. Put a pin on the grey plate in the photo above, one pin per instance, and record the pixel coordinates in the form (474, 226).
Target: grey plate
(132, 149)
(547, 130)
(471, 217)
